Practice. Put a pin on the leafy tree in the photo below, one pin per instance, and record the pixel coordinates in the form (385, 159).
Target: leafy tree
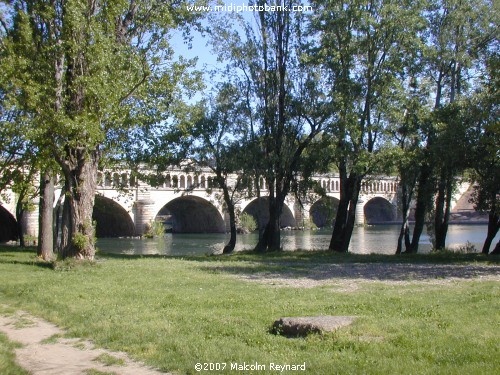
(218, 144)
(431, 131)
(458, 33)
(360, 45)
(208, 135)
(483, 109)
(406, 133)
(85, 72)
(283, 103)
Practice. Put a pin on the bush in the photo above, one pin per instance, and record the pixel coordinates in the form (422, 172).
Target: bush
(309, 224)
(80, 241)
(468, 248)
(155, 229)
(247, 222)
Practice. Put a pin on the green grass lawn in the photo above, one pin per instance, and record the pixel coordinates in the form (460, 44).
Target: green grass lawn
(8, 365)
(172, 313)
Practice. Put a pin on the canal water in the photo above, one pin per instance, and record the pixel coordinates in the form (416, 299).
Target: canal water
(380, 239)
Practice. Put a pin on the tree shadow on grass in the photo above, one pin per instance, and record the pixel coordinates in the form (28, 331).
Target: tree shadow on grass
(34, 262)
(375, 271)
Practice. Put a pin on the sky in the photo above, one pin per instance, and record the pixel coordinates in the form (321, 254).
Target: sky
(200, 49)
(207, 60)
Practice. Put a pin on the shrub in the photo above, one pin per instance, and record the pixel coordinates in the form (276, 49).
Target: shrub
(247, 222)
(80, 241)
(155, 229)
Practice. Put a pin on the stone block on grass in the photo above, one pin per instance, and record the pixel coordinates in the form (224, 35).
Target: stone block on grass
(303, 325)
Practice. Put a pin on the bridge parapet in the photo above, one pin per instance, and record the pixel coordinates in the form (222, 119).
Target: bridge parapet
(384, 185)
(173, 180)
(109, 179)
(380, 185)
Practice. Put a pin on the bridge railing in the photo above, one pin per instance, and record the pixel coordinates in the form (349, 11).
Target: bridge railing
(200, 181)
(376, 186)
(380, 186)
(167, 181)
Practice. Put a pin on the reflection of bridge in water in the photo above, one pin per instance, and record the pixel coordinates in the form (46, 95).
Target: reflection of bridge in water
(187, 202)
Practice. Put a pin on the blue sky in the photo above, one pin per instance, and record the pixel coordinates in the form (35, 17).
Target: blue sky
(199, 48)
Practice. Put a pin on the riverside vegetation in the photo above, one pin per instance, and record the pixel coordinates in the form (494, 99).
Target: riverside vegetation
(408, 89)
(172, 313)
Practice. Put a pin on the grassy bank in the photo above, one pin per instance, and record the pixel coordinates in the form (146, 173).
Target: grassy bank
(8, 364)
(173, 313)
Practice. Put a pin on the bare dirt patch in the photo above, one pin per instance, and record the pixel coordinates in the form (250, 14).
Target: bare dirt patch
(44, 352)
(348, 276)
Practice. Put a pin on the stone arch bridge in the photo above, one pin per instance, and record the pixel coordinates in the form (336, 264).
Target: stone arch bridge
(187, 203)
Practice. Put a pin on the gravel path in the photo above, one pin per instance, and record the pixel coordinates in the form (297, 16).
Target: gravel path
(350, 275)
(43, 353)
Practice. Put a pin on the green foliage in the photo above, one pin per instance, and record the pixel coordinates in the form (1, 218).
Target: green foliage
(247, 222)
(80, 75)
(484, 140)
(309, 224)
(468, 248)
(80, 241)
(155, 229)
(284, 107)
(362, 50)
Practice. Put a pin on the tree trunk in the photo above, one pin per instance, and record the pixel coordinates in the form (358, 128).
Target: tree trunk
(274, 239)
(351, 217)
(263, 241)
(341, 216)
(21, 207)
(443, 203)
(80, 172)
(404, 233)
(496, 250)
(346, 212)
(422, 206)
(261, 227)
(19, 221)
(340, 226)
(45, 217)
(493, 227)
(58, 221)
(271, 238)
(229, 248)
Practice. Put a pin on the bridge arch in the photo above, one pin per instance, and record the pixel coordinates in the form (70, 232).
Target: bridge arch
(112, 220)
(191, 214)
(323, 211)
(379, 210)
(259, 210)
(8, 226)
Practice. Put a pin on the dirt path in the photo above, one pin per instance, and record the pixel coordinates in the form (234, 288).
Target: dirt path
(348, 277)
(45, 352)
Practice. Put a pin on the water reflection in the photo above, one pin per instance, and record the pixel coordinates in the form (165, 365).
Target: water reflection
(380, 239)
